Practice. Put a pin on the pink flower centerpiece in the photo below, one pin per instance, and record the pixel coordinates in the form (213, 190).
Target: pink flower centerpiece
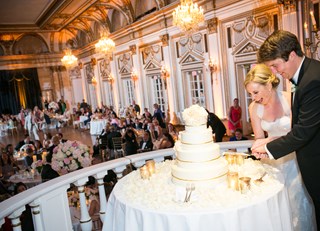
(70, 156)
(38, 165)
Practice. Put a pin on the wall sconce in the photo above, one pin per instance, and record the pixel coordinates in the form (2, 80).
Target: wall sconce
(110, 79)
(311, 49)
(212, 67)
(94, 81)
(164, 75)
(134, 75)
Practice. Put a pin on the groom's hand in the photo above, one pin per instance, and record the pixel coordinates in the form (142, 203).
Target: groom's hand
(259, 155)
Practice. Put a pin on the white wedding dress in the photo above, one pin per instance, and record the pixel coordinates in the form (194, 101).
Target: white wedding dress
(301, 206)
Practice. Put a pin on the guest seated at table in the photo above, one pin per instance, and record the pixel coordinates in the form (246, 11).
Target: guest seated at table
(60, 135)
(115, 121)
(147, 114)
(27, 140)
(29, 158)
(46, 143)
(155, 130)
(96, 148)
(6, 166)
(129, 122)
(88, 114)
(166, 141)
(38, 147)
(146, 144)
(55, 142)
(131, 142)
(172, 131)
(238, 135)
(137, 124)
(113, 133)
(10, 151)
(47, 172)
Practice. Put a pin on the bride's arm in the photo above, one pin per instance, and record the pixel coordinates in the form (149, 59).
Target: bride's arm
(255, 122)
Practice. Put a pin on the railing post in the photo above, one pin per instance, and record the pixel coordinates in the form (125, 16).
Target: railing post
(15, 219)
(102, 195)
(119, 171)
(85, 219)
(35, 208)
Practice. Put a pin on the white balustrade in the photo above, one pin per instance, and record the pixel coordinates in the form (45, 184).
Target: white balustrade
(50, 200)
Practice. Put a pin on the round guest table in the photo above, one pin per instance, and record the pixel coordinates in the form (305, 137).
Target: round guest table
(96, 126)
(263, 208)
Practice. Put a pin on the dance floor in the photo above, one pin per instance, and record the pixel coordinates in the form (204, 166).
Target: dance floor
(68, 132)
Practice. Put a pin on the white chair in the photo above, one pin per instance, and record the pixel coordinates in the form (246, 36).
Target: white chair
(12, 126)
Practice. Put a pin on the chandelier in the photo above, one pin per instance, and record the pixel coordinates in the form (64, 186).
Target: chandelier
(105, 45)
(69, 60)
(187, 16)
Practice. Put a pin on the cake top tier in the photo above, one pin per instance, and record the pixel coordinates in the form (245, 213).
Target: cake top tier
(195, 115)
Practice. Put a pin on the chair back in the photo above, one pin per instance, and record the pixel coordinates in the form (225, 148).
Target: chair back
(117, 143)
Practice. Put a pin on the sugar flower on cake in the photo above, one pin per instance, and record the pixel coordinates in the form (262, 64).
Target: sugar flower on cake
(195, 115)
(70, 156)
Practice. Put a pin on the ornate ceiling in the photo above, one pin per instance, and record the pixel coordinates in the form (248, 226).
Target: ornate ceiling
(54, 15)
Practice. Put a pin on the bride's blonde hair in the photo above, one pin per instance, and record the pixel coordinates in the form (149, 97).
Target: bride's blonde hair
(261, 74)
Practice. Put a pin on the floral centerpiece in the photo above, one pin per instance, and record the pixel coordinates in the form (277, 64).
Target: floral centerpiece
(37, 165)
(70, 156)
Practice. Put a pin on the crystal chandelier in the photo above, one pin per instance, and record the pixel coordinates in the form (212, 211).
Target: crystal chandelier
(187, 16)
(105, 45)
(69, 60)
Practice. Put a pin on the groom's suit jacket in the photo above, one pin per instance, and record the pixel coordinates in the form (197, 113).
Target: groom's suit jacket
(304, 138)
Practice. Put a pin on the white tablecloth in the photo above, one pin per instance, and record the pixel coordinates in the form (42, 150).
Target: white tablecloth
(268, 212)
(83, 118)
(28, 180)
(96, 126)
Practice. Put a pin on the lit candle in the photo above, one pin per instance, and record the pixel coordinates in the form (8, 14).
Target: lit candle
(34, 158)
(144, 173)
(44, 155)
(306, 32)
(233, 180)
(239, 159)
(230, 158)
(244, 184)
(314, 23)
(151, 166)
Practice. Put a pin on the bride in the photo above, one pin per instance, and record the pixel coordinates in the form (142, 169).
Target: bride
(270, 113)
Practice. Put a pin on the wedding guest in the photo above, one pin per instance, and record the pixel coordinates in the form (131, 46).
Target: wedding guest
(46, 143)
(83, 105)
(137, 124)
(147, 114)
(55, 142)
(27, 140)
(31, 125)
(131, 142)
(238, 135)
(270, 113)
(158, 114)
(234, 121)
(165, 142)
(60, 135)
(29, 158)
(136, 106)
(172, 131)
(47, 172)
(146, 144)
(6, 166)
(217, 126)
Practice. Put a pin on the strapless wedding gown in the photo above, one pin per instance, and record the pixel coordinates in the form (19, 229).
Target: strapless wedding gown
(300, 202)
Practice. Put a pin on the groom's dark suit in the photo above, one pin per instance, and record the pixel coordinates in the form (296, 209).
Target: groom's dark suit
(304, 137)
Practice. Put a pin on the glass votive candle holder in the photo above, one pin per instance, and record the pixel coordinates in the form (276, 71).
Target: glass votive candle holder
(244, 183)
(230, 158)
(144, 172)
(239, 159)
(151, 166)
(233, 180)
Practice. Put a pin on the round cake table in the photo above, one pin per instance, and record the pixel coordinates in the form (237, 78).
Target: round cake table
(137, 205)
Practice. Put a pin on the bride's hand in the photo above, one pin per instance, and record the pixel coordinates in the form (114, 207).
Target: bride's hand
(259, 142)
(259, 155)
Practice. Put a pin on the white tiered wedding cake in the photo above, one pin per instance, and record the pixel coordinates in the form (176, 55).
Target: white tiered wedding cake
(198, 158)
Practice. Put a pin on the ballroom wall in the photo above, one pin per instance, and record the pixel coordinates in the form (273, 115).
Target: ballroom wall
(152, 42)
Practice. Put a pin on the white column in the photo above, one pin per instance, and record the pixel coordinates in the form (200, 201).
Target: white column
(102, 195)
(115, 86)
(138, 83)
(85, 219)
(37, 222)
(84, 84)
(15, 219)
(98, 86)
(218, 93)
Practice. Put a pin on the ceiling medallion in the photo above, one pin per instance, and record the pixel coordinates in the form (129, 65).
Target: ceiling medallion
(187, 16)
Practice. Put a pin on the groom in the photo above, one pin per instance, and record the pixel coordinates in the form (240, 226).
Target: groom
(282, 52)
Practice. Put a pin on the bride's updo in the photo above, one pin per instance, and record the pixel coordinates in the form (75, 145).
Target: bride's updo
(261, 74)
